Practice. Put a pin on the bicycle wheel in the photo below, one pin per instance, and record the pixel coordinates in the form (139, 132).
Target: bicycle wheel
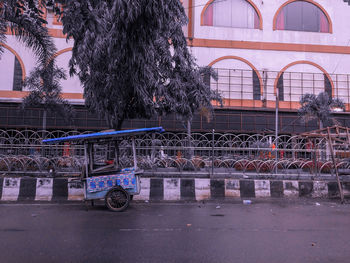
(117, 199)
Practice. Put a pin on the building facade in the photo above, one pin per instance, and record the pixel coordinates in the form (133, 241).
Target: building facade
(261, 50)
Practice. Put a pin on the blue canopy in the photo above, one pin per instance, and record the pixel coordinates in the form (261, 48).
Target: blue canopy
(103, 135)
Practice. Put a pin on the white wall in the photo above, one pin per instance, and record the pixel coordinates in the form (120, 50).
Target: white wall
(71, 84)
(274, 60)
(337, 10)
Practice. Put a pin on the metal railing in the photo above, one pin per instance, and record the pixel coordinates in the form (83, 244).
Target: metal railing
(249, 88)
(21, 152)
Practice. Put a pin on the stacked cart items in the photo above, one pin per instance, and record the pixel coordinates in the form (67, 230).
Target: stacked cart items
(338, 141)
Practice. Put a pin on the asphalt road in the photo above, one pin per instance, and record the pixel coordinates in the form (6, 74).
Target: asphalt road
(270, 231)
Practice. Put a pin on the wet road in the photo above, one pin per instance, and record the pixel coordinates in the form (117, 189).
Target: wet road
(270, 231)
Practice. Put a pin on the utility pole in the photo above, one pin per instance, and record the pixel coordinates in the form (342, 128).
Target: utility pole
(212, 153)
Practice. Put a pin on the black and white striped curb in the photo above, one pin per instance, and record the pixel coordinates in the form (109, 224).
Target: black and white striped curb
(171, 189)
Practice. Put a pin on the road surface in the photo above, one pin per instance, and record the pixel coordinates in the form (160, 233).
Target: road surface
(268, 231)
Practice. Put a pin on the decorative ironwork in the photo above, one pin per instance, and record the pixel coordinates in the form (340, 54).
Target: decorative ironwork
(22, 152)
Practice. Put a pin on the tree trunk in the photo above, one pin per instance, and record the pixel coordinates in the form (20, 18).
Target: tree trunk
(116, 155)
(117, 127)
(119, 124)
(44, 131)
(320, 123)
(189, 141)
(44, 119)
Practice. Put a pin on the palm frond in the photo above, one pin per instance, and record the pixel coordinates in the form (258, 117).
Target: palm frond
(319, 108)
(3, 29)
(26, 21)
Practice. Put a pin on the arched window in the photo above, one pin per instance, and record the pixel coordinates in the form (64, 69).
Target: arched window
(231, 13)
(238, 79)
(302, 77)
(11, 73)
(302, 16)
(17, 76)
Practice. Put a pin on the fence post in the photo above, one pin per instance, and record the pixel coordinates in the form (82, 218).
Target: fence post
(134, 152)
(276, 129)
(153, 150)
(212, 154)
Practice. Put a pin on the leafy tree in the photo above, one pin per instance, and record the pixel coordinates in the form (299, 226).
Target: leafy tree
(319, 108)
(25, 19)
(45, 92)
(132, 59)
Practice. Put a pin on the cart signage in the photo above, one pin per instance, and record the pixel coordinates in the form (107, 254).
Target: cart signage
(126, 179)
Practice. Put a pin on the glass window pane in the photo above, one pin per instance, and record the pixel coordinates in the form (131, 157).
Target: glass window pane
(239, 11)
(208, 16)
(232, 13)
(324, 25)
(17, 76)
(222, 14)
(302, 16)
(311, 17)
(293, 19)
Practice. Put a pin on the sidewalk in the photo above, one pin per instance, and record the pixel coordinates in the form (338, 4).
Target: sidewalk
(174, 189)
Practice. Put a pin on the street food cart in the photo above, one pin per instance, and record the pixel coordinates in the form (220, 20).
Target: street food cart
(105, 178)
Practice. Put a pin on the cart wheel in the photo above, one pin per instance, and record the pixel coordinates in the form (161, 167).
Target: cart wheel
(117, 199)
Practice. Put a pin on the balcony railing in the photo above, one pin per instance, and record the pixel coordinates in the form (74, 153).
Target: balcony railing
(256, 89)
